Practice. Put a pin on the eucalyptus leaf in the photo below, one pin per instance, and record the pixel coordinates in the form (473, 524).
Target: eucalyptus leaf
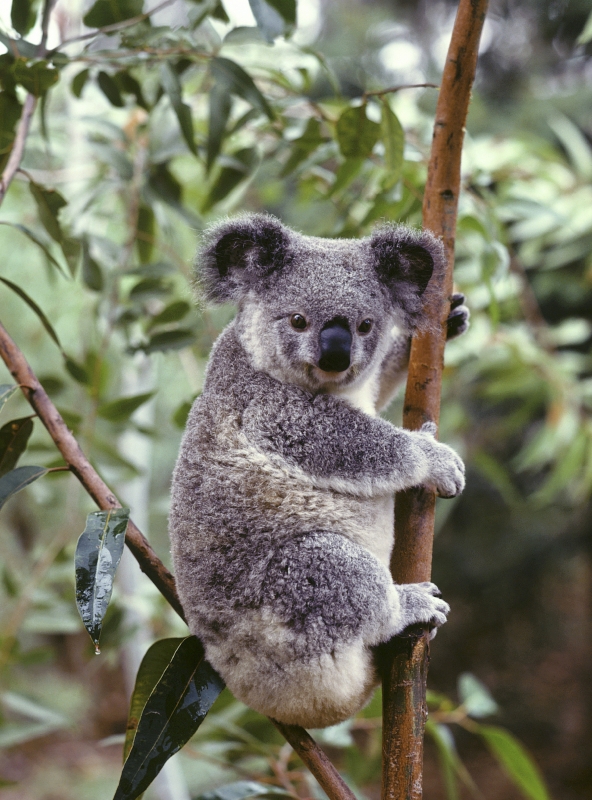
(169, 340)
(6, 391)
(220, 104)
(304, 146)
(107, 12)
(23, 14)
(10, 113)
(14, 436)
(174, 312)
(393, 137)
(356, 134)
(475, 696)
(33, 305)
(239, 82)
(98, 552)
(34, 238)
(242, 164)
(49, 203)
(172, 86)
(79, 82)
(516, 761)
(269, 20)
(17, 479)
(121, 410)
(36, 77)
(91, 272)
(145, 227)
(110, 89)
(173, 712)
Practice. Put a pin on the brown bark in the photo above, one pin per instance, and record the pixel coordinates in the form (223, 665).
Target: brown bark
(308, 750)
(404, 681)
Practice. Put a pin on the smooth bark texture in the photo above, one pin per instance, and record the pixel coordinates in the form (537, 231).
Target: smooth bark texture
(308, 750)
(404, 682)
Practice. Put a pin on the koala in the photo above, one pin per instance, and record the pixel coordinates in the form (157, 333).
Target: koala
(281, 517)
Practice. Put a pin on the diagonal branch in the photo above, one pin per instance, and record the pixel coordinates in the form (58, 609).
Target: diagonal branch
(308, 750)
(404, 706)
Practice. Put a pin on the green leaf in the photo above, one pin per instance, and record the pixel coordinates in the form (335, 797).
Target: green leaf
(240, 790)
(79, 82)
(149, 287)
(237, 81)
(393, 137)
(91, 271)
(71, 248)
(17, 479)
(10, 113)
(356, 134)
(304, 146)
(171, 313)
(274, 17)
(6, 391)
(220, 104)
(180, 414)
(13, 442)
(129, 85)
(49, 203)
(108, 12)
(36, 77)
(121, 409)
(447, 756)
(145, 233)
(166, 186)
(575, 144)
(516, 762)
(21, 46)
(173, 712)
(110, 89)
(345, 175)
(33, 305)
(475, 696)
(33, 237)
(168, 340)
(23, 15)
(155, 661)
(98, 552)
(172, 86)
(76, 370)
(586, 35)
(239, 166)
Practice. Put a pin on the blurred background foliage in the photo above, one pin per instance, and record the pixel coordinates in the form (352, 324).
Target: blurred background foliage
(162, 120)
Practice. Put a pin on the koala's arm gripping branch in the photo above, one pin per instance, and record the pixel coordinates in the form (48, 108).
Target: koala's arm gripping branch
(310, 753)
(404, 708)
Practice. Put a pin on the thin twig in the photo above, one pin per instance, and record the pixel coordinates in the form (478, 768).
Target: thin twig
(308, 750)
(116, 26)
(382, 92)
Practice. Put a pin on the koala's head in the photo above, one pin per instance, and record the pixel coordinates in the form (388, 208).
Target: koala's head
(318, 312)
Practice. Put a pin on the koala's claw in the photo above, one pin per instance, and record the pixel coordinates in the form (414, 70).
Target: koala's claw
(421, 603)
(446, 470)
(458, 319)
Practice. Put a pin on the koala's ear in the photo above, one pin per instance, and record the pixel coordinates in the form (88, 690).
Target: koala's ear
(405, 259)
(239, 253)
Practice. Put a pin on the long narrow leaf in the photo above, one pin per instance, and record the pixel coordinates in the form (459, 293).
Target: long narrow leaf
(13, 442)
(172, 86)
(17, 479)
(33, 305)
(98, 553)
(240, 83)
(173, 712)
(33, 237)
(515, 761)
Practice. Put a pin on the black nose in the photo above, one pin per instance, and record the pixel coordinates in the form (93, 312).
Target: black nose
(335, 340)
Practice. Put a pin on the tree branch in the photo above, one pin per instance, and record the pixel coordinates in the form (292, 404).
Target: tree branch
(308, 750)
(404, 708)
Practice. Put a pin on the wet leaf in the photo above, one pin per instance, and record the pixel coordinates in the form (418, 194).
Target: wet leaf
(110, 89)
(516, 761)
(172, 87)
(237, 168)
(173, 712)
(79, 82)
(106, 12)
(120, 410)
(17, 479)
(169, 340)
(154, 663)
(49, 202)
(33, 305)
(98, 552)
(237, 81)
(13, 442)
(220, 104)
(6, 391)
(356, 134)
(33, 237)
(393, 137)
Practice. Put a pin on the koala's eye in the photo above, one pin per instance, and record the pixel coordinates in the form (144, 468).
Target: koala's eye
(297, 321)
(365, 326)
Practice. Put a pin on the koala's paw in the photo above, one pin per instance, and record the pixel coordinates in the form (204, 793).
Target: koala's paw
(458, 319)
(446, 469)
(421, 603)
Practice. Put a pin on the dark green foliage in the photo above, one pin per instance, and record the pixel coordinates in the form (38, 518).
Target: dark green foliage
(106, 12)
(14, 436)
(15, 480)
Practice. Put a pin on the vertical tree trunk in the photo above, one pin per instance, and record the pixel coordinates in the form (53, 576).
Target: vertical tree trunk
(404, 682)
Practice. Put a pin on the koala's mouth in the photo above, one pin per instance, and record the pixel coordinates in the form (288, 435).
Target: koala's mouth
(321, 376)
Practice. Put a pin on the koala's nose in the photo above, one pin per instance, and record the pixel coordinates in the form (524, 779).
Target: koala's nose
(335, 340)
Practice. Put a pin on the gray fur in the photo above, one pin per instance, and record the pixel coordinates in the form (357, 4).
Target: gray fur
(282, 508)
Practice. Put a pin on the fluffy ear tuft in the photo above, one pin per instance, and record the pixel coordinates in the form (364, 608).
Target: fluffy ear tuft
(405, 259)
(238, 253)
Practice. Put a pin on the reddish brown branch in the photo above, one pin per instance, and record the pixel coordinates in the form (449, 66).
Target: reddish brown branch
(308, 750)
(404, 713)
